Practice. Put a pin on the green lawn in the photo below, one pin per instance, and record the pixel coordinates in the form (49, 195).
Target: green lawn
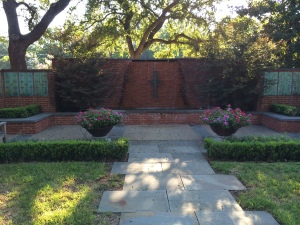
(271, 187)
(55, 193)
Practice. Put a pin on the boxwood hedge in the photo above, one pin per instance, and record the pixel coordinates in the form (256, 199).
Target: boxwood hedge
(20, 112)
(273, 150)
(69, 150)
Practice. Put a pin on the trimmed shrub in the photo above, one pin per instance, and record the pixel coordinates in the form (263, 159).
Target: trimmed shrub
(20, 112)
(285, 109)
(69, 150)
(277, 150)
(82, 83)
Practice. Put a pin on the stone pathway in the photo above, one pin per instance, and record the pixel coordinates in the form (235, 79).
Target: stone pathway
(168, 181)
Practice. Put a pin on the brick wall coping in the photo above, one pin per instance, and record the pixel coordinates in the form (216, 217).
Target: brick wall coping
(42, 116)
(31, 119)
(64, 114)
(281, 117)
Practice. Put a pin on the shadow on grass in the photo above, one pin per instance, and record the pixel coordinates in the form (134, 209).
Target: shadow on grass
(54, 193)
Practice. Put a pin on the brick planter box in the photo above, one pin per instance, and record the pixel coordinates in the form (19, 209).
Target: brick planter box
(37, 123)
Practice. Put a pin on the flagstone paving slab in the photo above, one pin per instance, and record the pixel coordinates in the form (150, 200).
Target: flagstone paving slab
(151, 218)
(235, 218)
(190, 201)
(211, 182)
(152, 181)
(150, 157)
(133, 168)
(132, 201)
(143, 149)
(179, 149)
(160, 132)
(188, 157)
(187, 168)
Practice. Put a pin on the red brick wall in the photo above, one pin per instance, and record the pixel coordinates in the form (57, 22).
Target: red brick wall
(195, 73)
(118, 69)
(256, 119)
(280, 126)
(29, 128)
(265, 102)
(64, 120)
(161, 118)
(139, 92)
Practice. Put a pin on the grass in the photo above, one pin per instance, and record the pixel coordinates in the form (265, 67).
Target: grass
(55, 193)
(271, 187)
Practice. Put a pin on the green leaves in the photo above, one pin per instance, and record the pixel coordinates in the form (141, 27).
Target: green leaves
(20, 112)
(140, 23)
(63, 151)
(259, 150)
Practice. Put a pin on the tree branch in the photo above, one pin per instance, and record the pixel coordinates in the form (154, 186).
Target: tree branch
(191, 42)
(155, 24)
(40, 28)
(32, 12)
(10, 7)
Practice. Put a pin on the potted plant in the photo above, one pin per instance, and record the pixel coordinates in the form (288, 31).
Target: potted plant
(98, 122)
(225, 122)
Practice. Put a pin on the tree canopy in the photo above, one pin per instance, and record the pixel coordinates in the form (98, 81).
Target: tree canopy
(281, 24)
(140, 22)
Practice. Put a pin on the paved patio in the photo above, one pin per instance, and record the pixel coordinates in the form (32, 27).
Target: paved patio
(168, 181)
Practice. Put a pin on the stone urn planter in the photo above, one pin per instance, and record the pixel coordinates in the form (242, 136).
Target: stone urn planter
(225, 132)
(98, 122)
(225, 122)
(100, 132)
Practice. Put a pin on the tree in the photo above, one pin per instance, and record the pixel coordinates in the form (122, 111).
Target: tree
(238, 55)
(139, 21)
(19, 43)
(280, 19)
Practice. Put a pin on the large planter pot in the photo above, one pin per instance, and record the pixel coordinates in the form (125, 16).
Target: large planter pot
(222, 131)
(100, 132)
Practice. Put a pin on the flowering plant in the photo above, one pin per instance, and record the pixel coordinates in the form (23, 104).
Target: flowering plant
(92, 119)
(228, 118)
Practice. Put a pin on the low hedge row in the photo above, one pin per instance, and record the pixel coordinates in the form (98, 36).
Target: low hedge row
(69, 150)
(280, 150)
(285, 109)
(20, 112)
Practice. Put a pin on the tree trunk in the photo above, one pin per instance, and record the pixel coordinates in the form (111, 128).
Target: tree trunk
(19, 43)
(17, 53)
(135, 55)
